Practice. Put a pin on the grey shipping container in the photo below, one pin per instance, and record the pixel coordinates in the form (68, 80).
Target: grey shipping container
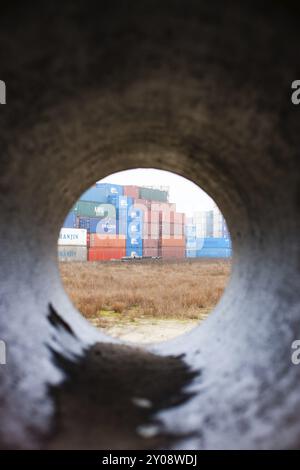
(72, 253)
(153, 194)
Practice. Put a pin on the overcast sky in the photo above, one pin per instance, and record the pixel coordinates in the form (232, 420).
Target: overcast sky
(187, 195)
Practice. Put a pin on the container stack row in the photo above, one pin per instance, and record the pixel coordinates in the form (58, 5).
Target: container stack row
(124, 221)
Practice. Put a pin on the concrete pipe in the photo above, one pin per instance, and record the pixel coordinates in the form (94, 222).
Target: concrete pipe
(199, 88)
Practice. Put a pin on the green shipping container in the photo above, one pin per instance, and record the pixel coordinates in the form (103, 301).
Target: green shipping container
(153, 194)
(94, 209)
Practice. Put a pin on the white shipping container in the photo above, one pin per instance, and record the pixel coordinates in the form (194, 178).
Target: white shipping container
(72, 236)
(72, 253)
(217, 223)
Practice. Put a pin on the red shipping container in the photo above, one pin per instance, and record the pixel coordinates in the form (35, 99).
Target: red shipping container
(150, 251)
(172, 252)
(131, 191)
(107, 253)
(151, 243)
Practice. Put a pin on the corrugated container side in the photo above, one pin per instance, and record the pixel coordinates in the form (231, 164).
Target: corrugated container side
(151, 243)
(131, 191)
(94, 194)
(151, 231)
(172, 252)
(153, 194)
(135, 213)
(190, 230)
(120, 202)
(103, 226)
(172, 217)
(146, 205)
(70, 221)
(105, 253)
(172, 242)
(214, 253)
(151, 251)
(164, 208)
(97, 224)
(151, 217)
(134, 241)
(110, 241)
(72, 253)
(191, 253)
(110, 188)
(216, 242)
(94, 209)
(194, 242)
(72, 236)
(135, 228)
(134, 250)
(172, 230)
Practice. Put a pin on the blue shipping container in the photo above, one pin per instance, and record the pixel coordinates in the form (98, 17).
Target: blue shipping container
(190, 253)
(107, 225)
(94, 194)
(120, 202)
(134, 229)
(109, 189)
(134, 241)
(98, 225)
(216, 242)
(134, 250)
(134, 213)
(122, 222)
(70, 220)
(214, 253)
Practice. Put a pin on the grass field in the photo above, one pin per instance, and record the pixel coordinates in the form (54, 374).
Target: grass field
(114, 293)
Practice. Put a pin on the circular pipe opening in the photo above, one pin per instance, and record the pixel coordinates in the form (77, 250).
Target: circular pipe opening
(146, 88)
(144, 255)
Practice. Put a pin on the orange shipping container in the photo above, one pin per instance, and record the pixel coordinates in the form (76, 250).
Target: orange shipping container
(172, 252)
(173, 242)
(109, 241)
(106, 253)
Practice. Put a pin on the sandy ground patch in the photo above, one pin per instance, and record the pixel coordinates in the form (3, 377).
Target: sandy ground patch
(147, 331)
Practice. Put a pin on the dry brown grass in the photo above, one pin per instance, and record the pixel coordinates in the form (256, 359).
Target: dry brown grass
(182, 290)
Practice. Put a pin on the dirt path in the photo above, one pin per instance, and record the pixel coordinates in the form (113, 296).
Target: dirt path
(146, 331)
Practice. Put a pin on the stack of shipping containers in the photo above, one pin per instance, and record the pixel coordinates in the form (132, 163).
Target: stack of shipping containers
(151, 237)
(172, 233)
(137, 221)
(72, 244)
(207, 235)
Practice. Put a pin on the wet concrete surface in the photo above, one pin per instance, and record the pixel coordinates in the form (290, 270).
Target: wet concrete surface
(111, 397)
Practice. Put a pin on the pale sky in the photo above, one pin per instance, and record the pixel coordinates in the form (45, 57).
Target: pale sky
(187, 196)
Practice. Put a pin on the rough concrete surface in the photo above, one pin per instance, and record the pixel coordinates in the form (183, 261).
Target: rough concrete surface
(196, 87)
